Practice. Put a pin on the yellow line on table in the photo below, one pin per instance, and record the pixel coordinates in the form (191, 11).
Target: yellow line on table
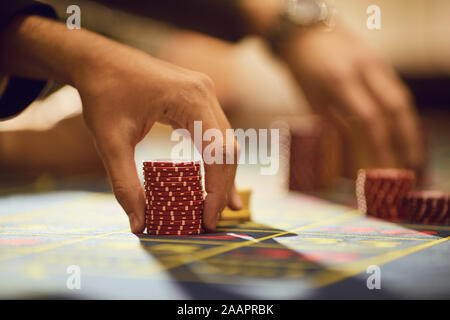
(180, 260)
(50, 246)
(341, 272)
(331, 234)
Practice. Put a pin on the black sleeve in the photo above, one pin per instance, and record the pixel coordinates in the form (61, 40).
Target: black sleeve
(219, 18)
(20, 92)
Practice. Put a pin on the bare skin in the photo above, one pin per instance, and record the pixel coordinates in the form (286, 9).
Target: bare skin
(349, 83)
(352, 84)
(124, 92)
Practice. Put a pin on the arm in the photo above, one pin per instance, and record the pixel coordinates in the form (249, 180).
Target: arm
(124, 92)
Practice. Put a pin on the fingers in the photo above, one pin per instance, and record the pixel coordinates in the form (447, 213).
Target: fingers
(354, 99)
(118, 159)
(393, 98)
(219, 176)
(234, 201)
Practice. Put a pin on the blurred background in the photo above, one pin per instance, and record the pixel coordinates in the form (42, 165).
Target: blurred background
(255, 88)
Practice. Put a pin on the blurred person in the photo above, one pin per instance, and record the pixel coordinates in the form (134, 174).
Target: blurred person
(123, 92)
(343, 79)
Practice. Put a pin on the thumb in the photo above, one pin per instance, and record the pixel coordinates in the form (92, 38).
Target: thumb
(234, 201)
(121, 168)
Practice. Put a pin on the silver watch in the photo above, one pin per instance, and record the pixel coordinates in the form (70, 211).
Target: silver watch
(309, 12)
(297, 14)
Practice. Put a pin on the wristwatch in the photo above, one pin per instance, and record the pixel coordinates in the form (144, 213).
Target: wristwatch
(297, 14)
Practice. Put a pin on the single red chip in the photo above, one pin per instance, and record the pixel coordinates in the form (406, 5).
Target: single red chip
(149, 184)
(171, 163)
(188, 198)
(175, 203)
(175, 194)
(190, 218)
(175, 232)
(175, 189)
(172, 169)
(173, 212)
(173, 179)
(151, 223)
(169, 228)
(175, 208)
(149, 174)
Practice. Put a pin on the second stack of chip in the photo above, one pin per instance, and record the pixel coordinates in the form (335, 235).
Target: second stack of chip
(175, 197)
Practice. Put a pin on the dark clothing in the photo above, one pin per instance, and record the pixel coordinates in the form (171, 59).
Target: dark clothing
(20, 92)
(219, 18)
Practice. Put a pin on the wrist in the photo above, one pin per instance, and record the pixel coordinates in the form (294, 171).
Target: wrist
(261, 14)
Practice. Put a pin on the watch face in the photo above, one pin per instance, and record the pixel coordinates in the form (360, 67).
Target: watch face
(304, 12)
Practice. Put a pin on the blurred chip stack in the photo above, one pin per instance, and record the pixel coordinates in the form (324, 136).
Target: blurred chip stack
(315, 155)
(175, 197)
(427, 207)
(380, 192)
(387, 194)
(241, 215)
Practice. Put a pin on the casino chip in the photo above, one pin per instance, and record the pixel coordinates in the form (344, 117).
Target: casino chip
(155, 223)
(172, 169)
(160, 198)
(171, 174)
(175, 193)
(427, 207)
(171, 163)
(174, 203)
(171, 184)
(174, 197)
(386, 194)
(174, 228)
(175, 232)
(380, 192)
(173, 179)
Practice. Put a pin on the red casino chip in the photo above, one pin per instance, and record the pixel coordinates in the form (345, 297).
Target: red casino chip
(188, 217)
(154, 223)
(175, 194)
(198, 213)
(149, 184)
(175, 189)
(380, 192)
(175, 203)
(148, 174)
(175, 232)
(171, 163)
(174, 208)
(172, 169)
(427, 207)
(160, 198)
(174, 228)
(173, 179)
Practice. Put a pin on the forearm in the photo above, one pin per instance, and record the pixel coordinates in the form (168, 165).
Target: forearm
(40, 48)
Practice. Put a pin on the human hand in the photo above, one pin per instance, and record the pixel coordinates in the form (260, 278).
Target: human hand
(124, 92)
(347, 82)
(124, 96)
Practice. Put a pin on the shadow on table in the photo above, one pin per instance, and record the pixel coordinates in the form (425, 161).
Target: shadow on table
(232, 265)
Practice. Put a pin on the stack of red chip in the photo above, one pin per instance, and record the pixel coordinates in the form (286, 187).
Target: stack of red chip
(175, 197)
(380, 192)
(427, 207)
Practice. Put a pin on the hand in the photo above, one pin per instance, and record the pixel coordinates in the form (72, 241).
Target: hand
(348, 82)
(124, 97)
(124, 92)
